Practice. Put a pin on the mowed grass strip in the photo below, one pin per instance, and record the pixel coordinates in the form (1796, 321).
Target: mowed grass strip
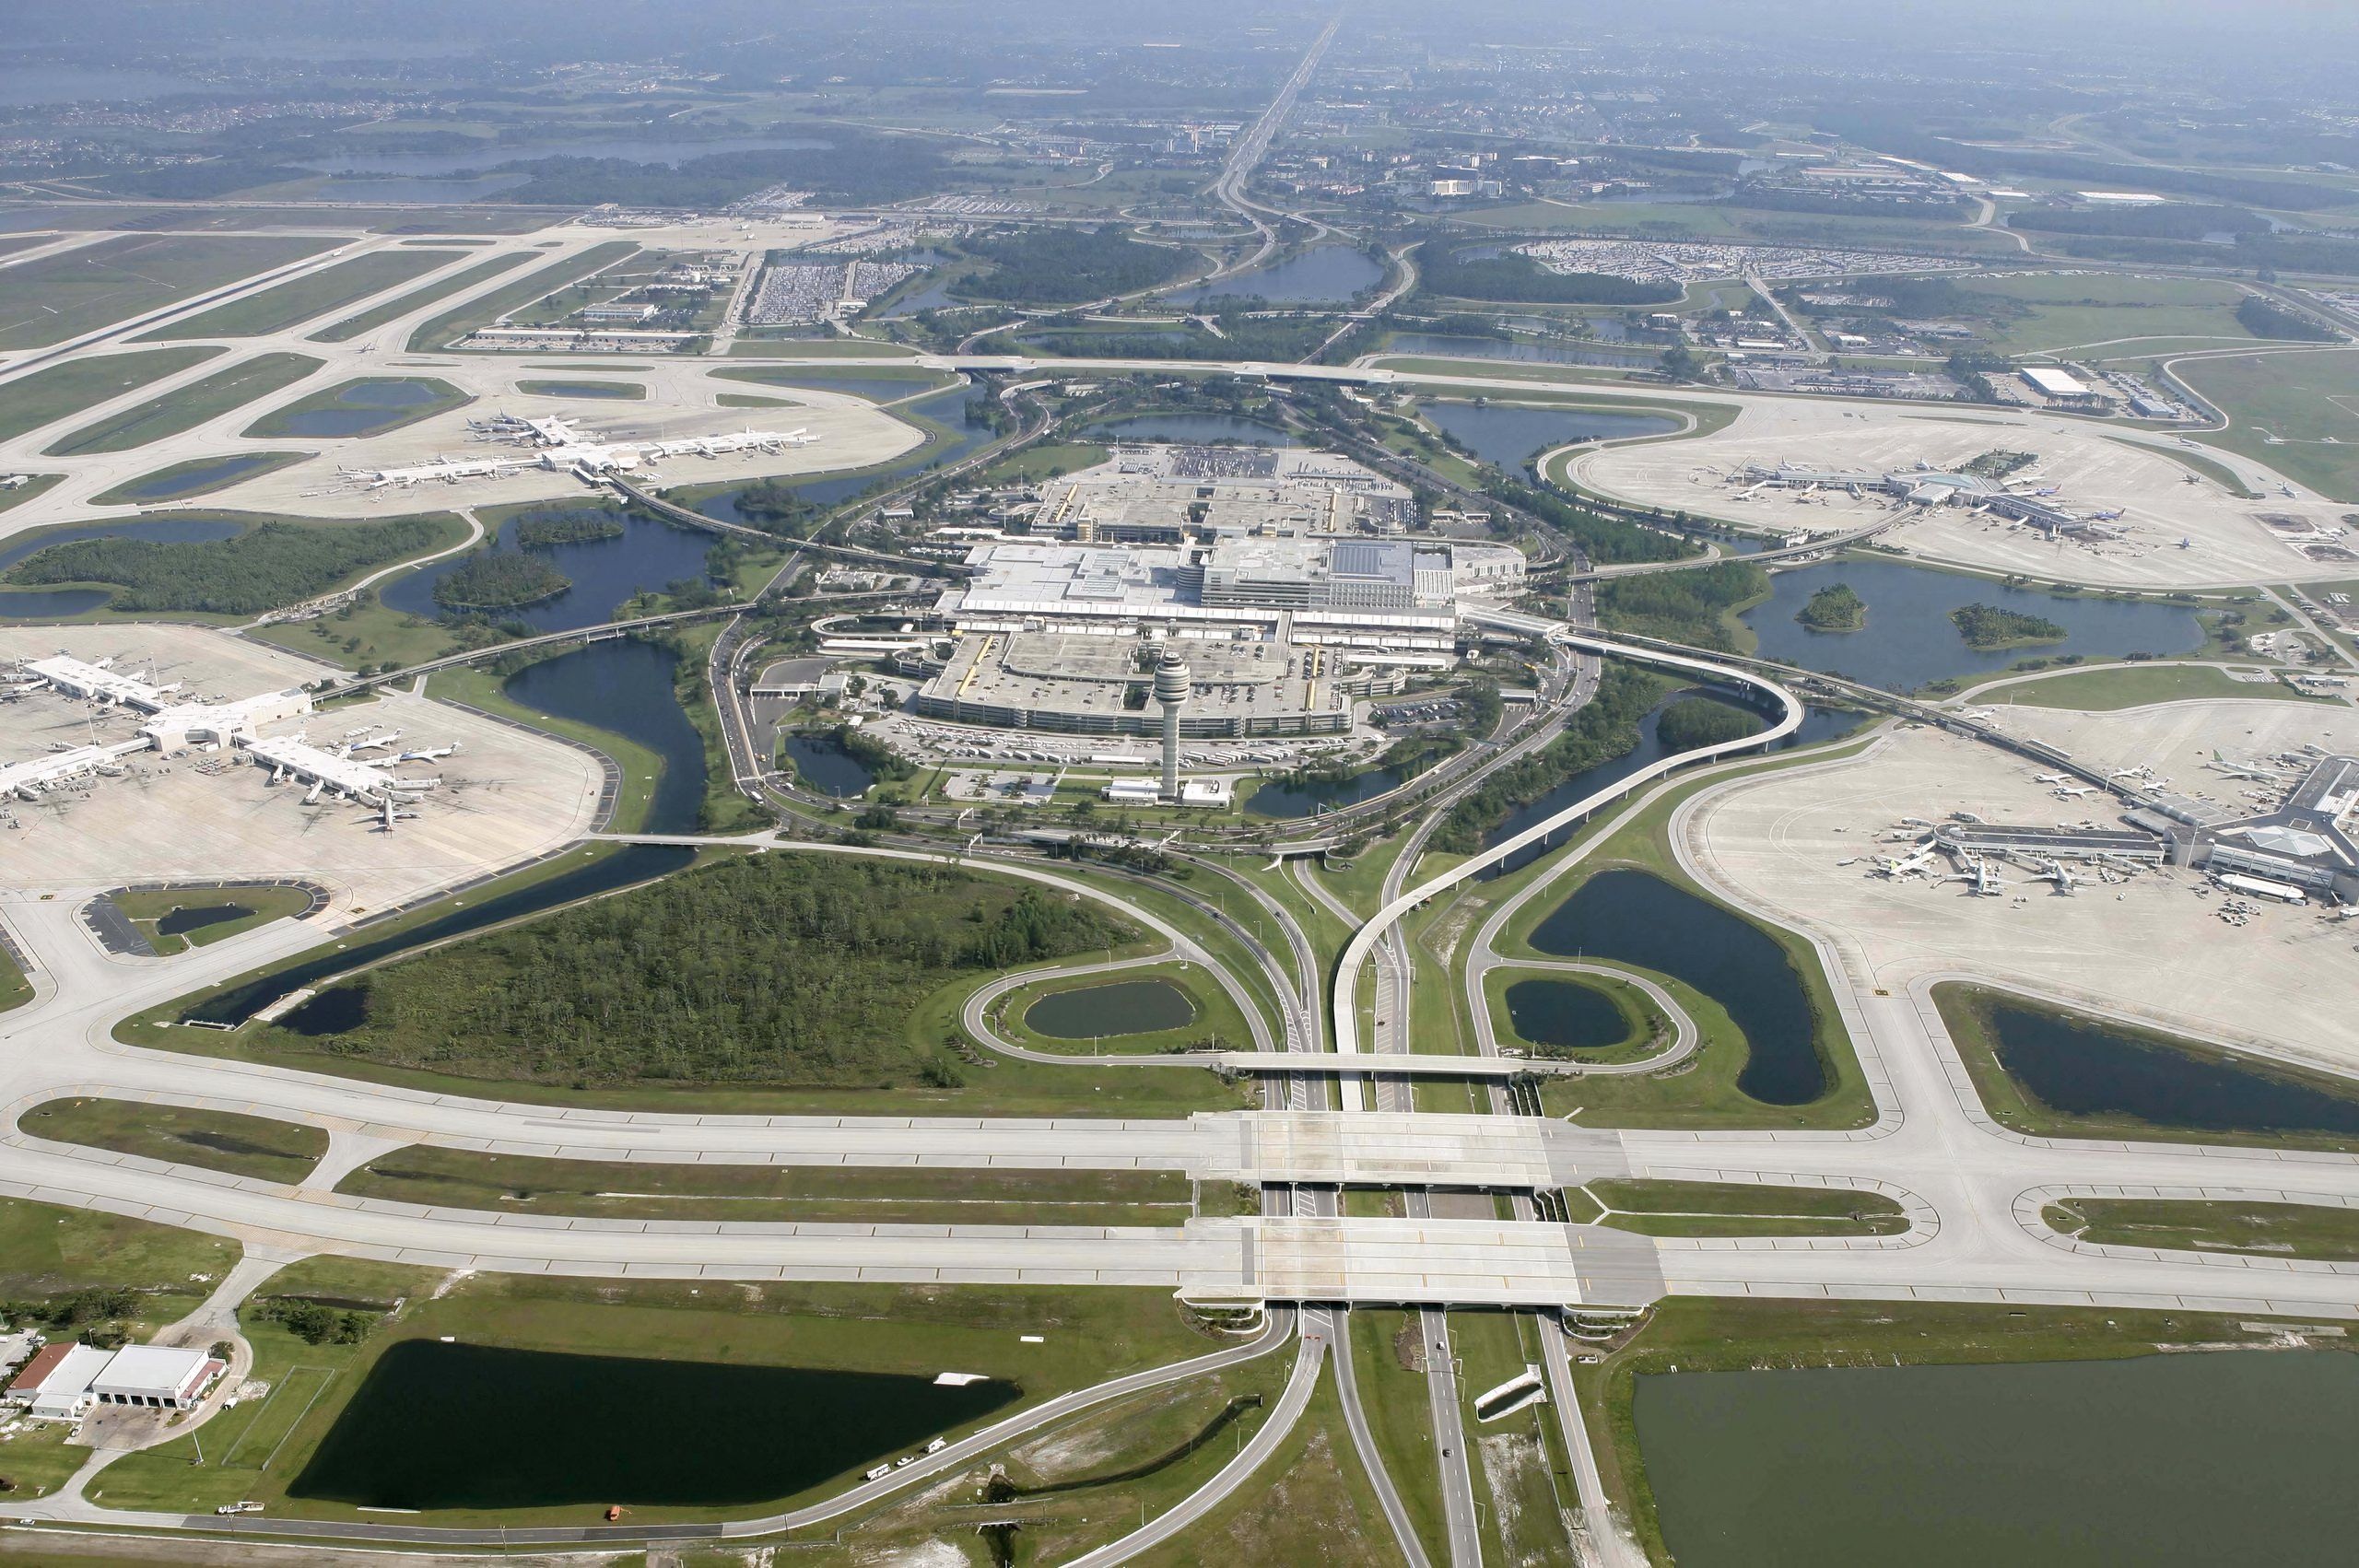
(300, 300)
(2282, 1230)
(59, 391)
(242, 1145)
(47, 1250)
(232, 386)
(417, 298)
(54, 297)
(1725, 1208)
(2138, 685)
(463, 1178)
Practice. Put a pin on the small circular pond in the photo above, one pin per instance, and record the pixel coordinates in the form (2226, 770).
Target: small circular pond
(1565, 1015)
(1127, 1007)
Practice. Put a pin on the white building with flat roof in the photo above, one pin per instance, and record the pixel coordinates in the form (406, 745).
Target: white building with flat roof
(56, 1385)
(155, 1376)
(2051, 382)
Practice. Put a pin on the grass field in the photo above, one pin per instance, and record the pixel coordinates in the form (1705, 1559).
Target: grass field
(1043, 460)
(2282, 1229)
(461, 1179)
(1386, 1345)
(859, 380)
(418, 299)
(14, 989)
(232, 386)
(446, 398)
(622, 389)
(314, 294)
(54, 297)
(1087, 1336)
(2081, 310)
(1723, 1209)
(268, 903)
(2297, 412)
(197, 476)
(46, 1250)
(363, 634)
(1694, 1334)
(216, 1141)
(59, 391)
(482, 309)
(34, 484)
(2135, 685)
(1312, 1503)
(819, 348)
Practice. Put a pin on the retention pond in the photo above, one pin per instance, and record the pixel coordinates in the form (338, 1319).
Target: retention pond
(1908, 638)
(443, 1426)
(1126, 1006)
(1630, 917)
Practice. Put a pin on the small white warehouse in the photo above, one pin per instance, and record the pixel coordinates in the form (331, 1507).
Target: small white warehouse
(155, 1376)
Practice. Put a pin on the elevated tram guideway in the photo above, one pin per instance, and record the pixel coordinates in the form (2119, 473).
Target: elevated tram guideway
(1364, 941)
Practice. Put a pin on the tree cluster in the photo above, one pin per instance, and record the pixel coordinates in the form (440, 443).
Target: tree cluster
(1606, 727)
(267, 565)
(775, 968)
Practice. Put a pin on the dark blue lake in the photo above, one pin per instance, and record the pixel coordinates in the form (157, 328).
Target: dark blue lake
(1564, 1014)
(359, 409)
(1322, 275)
(1910, 638)
(437, 1425)
(822, 765)
(1509, 437)
(605, 572)
(2081, 1068)
(1631, 917)
(207, 475)
(626, 686)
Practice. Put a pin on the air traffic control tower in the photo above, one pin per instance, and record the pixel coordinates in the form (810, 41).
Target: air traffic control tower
(1171, 690)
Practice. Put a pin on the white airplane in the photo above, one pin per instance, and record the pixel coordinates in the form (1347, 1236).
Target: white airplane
(425, 753)
(1898, 868)
(2050, 778)
(377, 743)
(2075, 791)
